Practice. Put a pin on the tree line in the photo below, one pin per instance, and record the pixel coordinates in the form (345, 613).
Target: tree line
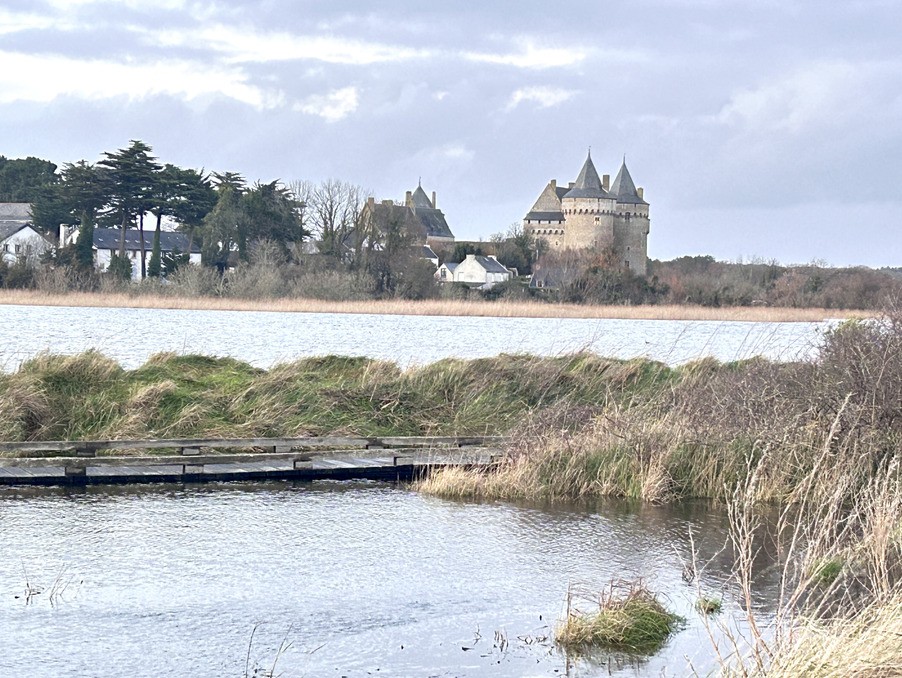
(219, 212)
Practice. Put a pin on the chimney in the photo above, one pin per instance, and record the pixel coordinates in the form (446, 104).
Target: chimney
(553, 183)
(571, 184)
(434, 206)
(641, 192)
(471, 256)
(408, 198)
(371, 202)
(606, 181)
(387, 203)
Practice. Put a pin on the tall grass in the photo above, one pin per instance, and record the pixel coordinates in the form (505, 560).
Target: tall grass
(701, 429)
(150, 296)
(89, 396)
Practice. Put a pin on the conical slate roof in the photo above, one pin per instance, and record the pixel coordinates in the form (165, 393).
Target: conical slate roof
(420, 199)
(588, 185)
(623, 188)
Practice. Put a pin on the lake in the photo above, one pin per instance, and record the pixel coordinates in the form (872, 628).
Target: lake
(361, 579)
(266, 338)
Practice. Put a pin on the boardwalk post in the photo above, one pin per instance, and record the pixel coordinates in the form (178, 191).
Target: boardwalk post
(75, 471)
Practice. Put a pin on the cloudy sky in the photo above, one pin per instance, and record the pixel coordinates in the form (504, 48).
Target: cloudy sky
(757, 127)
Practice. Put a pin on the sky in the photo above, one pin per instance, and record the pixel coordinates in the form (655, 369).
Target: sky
(758, 128)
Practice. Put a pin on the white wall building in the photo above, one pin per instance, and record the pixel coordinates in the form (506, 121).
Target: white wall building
(106, 243)
(18, 239)
(480, 271)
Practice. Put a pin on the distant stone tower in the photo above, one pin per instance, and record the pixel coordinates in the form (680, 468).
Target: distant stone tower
(591, 214)
(631, 222)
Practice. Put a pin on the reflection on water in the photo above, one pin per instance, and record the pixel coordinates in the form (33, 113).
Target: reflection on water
(361, 578)
(131, 335)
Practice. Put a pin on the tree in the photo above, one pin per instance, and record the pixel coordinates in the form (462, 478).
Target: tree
(133, 175)
(21, 180)
(272, 213)
(516, 248)
(155, 265)
(222, 227)
(335, 208)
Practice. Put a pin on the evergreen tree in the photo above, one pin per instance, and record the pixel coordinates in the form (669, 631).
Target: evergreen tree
(155, 265)
(133, 173)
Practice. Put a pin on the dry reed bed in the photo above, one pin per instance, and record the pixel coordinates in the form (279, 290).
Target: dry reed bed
(500, 309)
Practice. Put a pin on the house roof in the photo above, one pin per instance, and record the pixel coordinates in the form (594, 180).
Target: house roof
(450, 265)
(427, 253)
(623, 188)
(434, 222)
(420, 199)
(8, 228)
(108, 239)
(15, 211)
(489, 264)
(588, 183)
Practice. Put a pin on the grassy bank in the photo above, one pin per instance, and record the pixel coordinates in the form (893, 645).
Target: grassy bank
(449, 307)
(90, 396)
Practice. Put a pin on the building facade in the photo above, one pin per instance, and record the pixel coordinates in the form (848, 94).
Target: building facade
(106, 242)
(19, 241)
(418, 216)
(593, 214)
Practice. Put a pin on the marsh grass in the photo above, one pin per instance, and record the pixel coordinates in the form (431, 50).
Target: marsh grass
(89, 396)
(627, 617)
(159, 297)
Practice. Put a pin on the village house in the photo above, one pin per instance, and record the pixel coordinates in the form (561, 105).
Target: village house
(106, 243)
(19, 241)
(478, 271)
(418, 216)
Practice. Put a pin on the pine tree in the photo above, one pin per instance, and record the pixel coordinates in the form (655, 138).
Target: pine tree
(155, 265)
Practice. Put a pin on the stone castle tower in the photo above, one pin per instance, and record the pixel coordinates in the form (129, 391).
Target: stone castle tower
(591, 213)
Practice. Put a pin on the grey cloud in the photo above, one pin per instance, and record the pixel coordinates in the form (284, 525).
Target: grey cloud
(745, 121)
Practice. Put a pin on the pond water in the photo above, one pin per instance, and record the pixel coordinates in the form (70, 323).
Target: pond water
(361, 579)
(266, 338)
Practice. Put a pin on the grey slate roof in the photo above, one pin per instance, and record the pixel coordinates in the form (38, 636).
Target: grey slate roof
(108, 239)
(15, 211)
(450, 265)
(588, 183)
(420, 199)
(545, 216)
(7, 228)
(490, 265)
(434, 222)
(623, 188)
(427, 253)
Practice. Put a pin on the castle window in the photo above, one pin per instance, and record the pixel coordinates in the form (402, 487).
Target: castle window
(627, 262)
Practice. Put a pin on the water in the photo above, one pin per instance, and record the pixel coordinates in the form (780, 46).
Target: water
(266, 338)
(361, 579)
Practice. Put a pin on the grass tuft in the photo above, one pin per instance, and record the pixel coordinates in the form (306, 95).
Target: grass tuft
(629, 618)
(709, 605)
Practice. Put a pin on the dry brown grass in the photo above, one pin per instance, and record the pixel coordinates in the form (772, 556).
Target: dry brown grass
(500, 309)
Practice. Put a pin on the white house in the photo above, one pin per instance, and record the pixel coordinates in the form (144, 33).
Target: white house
(18, 239)
(106, 243)
(479, 271)
(445, 272)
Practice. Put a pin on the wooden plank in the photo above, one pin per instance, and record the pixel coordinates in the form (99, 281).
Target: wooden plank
(87, 447)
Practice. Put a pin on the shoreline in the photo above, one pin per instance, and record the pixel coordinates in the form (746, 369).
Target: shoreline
(429, 307)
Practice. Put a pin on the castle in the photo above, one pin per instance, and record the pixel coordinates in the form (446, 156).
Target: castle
(591, 213)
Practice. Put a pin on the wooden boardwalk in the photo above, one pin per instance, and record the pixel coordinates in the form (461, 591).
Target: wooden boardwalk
(205, 460)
